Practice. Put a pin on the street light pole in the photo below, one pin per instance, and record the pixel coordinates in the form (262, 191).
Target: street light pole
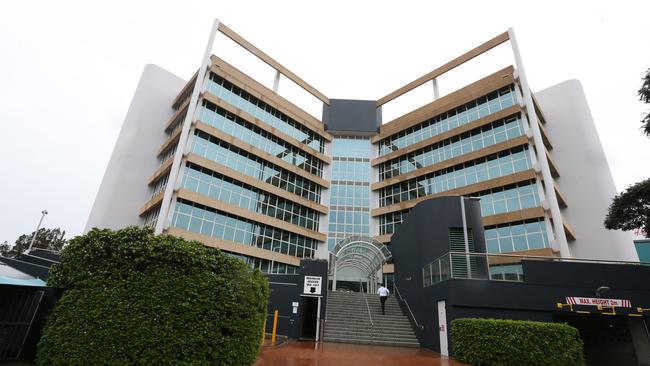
(43, 213)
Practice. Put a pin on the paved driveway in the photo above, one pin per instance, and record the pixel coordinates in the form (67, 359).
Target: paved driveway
(340, 354)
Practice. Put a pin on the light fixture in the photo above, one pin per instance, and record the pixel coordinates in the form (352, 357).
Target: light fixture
(601, 290)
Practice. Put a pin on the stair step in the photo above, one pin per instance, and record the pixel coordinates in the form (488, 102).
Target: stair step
(348, 321)
(373, 342)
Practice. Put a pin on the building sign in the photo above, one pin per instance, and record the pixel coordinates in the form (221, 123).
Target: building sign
(313, 285)
(593, 301)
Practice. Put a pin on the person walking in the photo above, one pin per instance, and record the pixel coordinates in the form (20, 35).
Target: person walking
(383, 293)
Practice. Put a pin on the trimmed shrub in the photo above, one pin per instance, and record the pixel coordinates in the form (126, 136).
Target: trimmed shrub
(133, 298)
(515, 342)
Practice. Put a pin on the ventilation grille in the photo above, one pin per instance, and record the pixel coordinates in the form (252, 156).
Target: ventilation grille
(463, 266)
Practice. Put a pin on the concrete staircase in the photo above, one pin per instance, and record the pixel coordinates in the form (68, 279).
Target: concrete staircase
(348, 321)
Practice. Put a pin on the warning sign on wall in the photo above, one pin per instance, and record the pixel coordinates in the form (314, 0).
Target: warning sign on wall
(313, 285)
(598, 301)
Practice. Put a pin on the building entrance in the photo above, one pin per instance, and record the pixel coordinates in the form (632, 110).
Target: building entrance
(356, 264)
(309, 318)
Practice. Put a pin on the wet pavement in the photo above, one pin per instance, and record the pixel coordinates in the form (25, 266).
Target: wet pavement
(296, 353)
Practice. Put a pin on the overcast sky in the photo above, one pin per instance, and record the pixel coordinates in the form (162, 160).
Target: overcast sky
(68, 71)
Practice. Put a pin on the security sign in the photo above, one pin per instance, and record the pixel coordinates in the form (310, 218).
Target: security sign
(313, 285)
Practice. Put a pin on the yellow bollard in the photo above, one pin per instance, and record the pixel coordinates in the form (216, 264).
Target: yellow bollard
(263, 332)
(275, 327)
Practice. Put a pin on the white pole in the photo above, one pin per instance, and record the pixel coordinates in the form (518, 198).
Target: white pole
(31, 244)
(436, 90)
(318, 320)
(462, 210)
(276, 81)
(334, 278)
(549, 188)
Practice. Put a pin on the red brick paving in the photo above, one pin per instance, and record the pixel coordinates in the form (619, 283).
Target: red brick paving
(339, 354)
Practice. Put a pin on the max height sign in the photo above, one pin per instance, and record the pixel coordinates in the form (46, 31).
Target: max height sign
(592, 301)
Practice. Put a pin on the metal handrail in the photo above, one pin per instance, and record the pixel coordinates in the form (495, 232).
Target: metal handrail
(372, 324)
(408, 307)
(541, 257)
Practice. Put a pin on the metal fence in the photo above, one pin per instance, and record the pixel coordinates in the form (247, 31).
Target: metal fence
(18, 307)
(495, 267)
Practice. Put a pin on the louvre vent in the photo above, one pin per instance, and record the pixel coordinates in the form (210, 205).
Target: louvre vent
(463, 266)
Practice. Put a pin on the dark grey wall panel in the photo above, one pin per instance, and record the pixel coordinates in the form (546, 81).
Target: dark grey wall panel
(353, 116)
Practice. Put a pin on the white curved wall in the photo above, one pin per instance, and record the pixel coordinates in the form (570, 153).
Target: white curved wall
(585, 178)
(124, 187)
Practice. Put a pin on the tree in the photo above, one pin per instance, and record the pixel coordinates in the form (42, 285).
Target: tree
(644, 96)
(133, 298)
(630, 209)
(4, 249)
(50, 239)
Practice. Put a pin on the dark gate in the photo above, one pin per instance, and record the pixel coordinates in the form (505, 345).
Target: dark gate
(17, 309)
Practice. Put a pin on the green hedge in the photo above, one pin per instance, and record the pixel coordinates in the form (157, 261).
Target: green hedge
(133, 298)
(515, 342)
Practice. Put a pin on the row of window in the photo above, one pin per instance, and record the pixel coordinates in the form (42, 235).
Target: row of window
(239, 98)
(351, 171)
(509, 198)
(485, 168)
(478, 108)
(159, 185)
(474, 140)
(265, 265)
(168, 153)
(333, 238)
(349, 221)
(211, 222)
(350, 189)
(352, 147)
(151, 219)
(187, 94)
(349, 195)
(225, 189)
(178, 123)
(388, 223)
(241, 129)
(516, 236)
(230, 156)
(494, 201)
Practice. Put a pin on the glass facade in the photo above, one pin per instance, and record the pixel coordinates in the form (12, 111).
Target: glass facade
(219, 187)
(222, 225)
(462, 144)
(479, 170)
(516, 236)
(510, 198)
(266, 265)
(244, 131)
(351, 175)
(350, 189)
(239, 98)
(222, 153)
(479, 108)
(494, 201)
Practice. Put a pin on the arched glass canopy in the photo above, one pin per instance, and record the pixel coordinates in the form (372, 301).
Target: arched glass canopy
(360, 252)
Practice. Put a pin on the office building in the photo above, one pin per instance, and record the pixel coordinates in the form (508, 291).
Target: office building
(227, 161)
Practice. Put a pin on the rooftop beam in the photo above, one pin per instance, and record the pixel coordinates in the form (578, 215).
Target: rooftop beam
(501, 38)
(271, 62)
